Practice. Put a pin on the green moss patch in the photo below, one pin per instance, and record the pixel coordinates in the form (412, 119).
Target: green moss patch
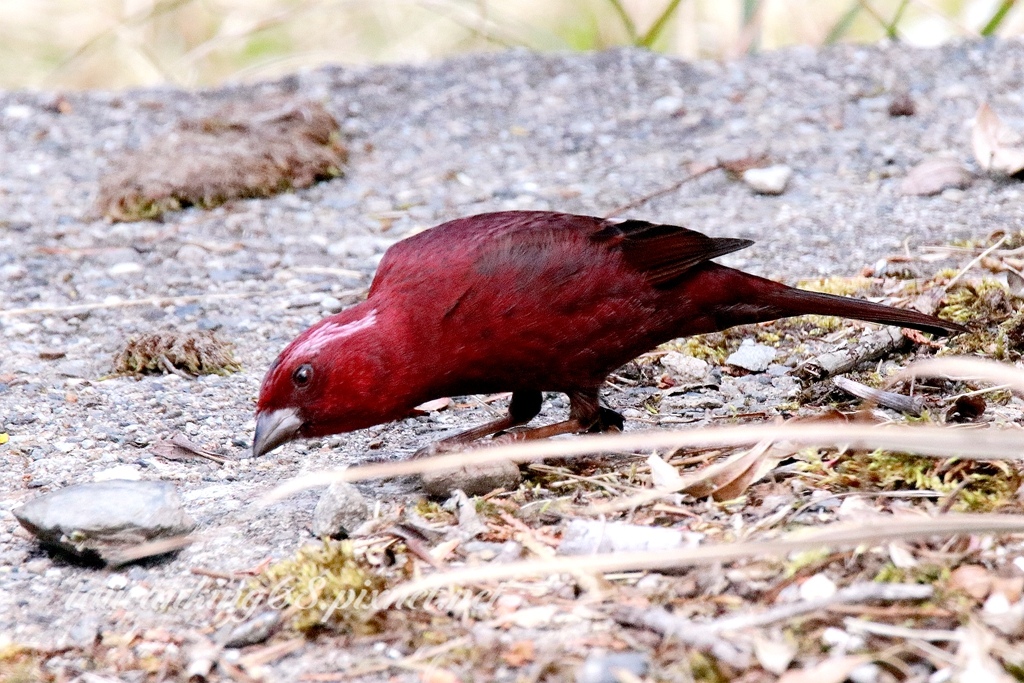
(324, 585)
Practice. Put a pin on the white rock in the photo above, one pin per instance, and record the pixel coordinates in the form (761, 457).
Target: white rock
(838, 639)
(752, 356)
(117, 582)
(818, 587)
(865, 673)
(17, 111)
(125, 268)
(685, 368)
(669, 104)
(770, 180)
(138, 593)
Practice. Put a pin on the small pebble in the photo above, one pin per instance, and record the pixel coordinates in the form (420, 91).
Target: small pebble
(339, 511)
(818, 587)
(771, 180)
(125, 268)
(117, 582)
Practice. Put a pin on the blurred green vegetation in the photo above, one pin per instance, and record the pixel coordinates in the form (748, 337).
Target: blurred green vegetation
(124, 43)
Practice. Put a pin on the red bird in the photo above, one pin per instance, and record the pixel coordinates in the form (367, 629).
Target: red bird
(522, 301)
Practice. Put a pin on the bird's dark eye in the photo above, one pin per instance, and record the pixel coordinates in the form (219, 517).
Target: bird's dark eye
(302, 374)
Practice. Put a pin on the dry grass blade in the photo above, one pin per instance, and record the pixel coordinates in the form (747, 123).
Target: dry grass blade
(834, 535)
(938, 441)
(962, 367)
(723, 480)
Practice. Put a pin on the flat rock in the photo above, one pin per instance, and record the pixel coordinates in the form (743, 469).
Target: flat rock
(106, 520)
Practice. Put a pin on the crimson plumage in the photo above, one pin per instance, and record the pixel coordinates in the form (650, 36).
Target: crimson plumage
(523, 301)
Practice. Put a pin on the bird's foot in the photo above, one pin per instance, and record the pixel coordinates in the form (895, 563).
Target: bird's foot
(608, 420)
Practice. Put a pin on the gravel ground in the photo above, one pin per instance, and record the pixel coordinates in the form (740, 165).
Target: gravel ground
(579, 133)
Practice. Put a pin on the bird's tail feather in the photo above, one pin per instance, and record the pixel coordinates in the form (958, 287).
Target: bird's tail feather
(801, 302)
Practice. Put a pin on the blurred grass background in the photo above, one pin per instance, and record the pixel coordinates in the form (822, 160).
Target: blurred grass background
(70, 44)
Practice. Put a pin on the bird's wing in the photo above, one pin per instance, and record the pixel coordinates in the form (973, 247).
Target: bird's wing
(664, 252)
(551, 247)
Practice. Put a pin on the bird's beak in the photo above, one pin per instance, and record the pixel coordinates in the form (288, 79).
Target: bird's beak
(274, 428)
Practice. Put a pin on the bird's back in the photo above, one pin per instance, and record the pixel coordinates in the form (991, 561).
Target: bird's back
(528, 300)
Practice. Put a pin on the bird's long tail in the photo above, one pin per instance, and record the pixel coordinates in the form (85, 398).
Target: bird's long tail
(801, 302)
(757, 300)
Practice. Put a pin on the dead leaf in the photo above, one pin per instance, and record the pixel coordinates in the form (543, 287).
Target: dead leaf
(774, 656)
(178, 447)
(972, 579)
(997, 147)
(966, 409)
(934, 175)
(519, 653)
(434, 406)
(663, 475)
(755, 464)
(1009, 587)
(902, 104)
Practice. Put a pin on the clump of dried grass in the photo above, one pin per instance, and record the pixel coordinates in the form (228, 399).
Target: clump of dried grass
(244, 150)
(192, 353)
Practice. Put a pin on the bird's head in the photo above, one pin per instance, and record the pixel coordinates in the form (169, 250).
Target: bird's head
(322, 382)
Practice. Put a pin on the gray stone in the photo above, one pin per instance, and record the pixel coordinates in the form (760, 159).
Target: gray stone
(107, 520)
(473, 479)
(75, 368)
(752, 356)
(331, 304)
(684, 368)
(339, 511)
(254, 630)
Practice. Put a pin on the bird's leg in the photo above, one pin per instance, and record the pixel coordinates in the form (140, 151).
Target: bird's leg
(586, 414)
(524, 406)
